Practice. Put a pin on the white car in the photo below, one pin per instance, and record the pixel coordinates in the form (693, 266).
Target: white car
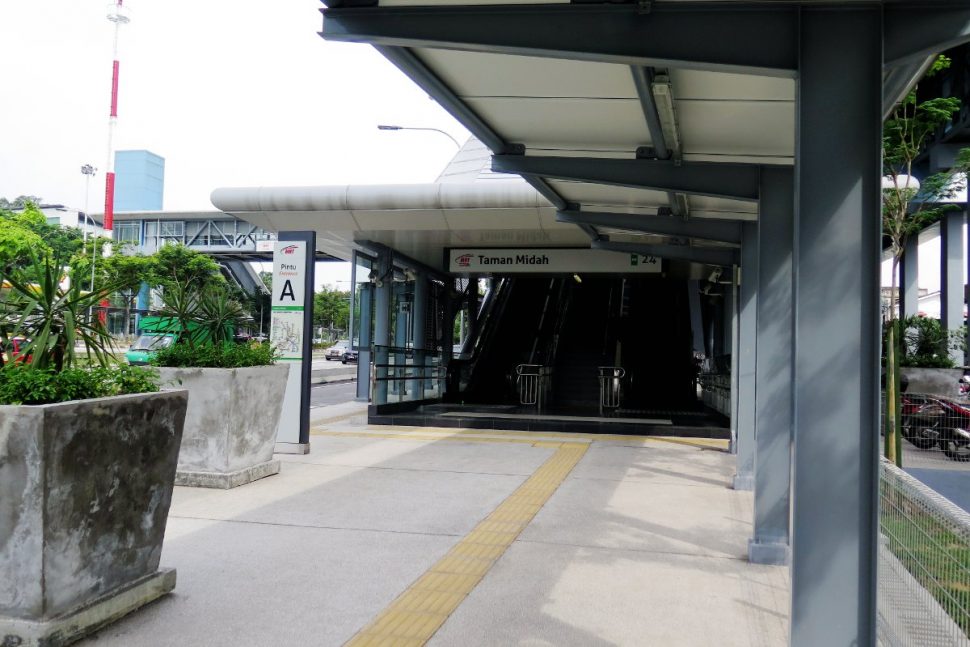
(337, 350)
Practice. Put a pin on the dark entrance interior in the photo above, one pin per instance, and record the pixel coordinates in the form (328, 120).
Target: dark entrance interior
(571, 330)
(639, 324)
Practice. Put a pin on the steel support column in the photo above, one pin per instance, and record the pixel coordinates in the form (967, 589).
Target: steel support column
(382, 324)
(735, 351)
(747, 356)
(837, 250)
(909, 278)
(773, 399)
(364, 355)
(951, 275)
(419, 314)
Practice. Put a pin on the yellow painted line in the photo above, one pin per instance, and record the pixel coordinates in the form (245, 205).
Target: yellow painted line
(415, 615)
(524, 437)
(341, 418)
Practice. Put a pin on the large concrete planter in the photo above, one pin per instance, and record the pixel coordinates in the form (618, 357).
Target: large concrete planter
(936, 381)
(230, 427)
(85, 489)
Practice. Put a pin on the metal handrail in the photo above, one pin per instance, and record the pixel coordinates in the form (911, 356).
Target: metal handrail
(533, 382)
(610, 379)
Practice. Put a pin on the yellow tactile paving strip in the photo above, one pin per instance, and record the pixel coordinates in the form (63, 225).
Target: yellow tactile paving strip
(420, 611)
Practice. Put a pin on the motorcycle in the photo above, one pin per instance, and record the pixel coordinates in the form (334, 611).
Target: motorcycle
(930, 420)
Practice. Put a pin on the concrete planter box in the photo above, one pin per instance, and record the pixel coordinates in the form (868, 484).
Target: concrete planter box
(230, 427)
(85, 489)
(936, 381)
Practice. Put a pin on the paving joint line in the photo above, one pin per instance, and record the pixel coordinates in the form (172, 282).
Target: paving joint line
(645, 551)
(312, 527)
(404, 469)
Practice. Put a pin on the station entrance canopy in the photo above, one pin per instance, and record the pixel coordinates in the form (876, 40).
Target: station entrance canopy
(761, 116)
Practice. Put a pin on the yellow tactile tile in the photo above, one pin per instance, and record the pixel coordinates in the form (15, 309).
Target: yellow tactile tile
(420, 611)
(446, 582)
(477, 551)
(425, 601)
(463, 565)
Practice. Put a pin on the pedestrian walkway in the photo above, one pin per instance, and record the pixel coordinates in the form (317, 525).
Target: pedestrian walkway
(410, 536)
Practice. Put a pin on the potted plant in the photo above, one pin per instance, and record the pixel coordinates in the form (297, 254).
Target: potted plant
(88, 453)
(237, 389)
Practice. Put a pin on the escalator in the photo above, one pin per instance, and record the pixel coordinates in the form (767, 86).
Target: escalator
(587, 342)
(641, 324)
(516, 332)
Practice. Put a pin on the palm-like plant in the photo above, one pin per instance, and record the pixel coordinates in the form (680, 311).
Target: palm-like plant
(207, 313)
(53, 317)
(219, 314)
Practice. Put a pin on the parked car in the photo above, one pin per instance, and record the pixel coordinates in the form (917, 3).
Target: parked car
(350, 355)
(337, 350)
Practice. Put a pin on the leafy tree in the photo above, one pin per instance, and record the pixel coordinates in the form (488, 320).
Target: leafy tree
(331, 309)
(179, 264)
(17, 240)
(906, 210)
(27, 230)
(19, 202)
(128, 272)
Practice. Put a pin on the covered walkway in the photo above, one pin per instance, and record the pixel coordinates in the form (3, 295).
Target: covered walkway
(400, 534)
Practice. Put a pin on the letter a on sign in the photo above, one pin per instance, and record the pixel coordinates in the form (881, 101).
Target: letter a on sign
(287, 291)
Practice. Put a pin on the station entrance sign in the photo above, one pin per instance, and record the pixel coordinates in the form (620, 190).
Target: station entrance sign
(533, 260)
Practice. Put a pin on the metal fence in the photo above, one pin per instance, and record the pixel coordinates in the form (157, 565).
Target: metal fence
(406, 375)
(935, 432)
(924, 564)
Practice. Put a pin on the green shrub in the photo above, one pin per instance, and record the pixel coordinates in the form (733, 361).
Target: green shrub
(24, 384)
(211, 355)
(926, 344)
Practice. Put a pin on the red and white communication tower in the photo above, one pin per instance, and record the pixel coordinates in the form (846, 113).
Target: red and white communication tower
(117, 14)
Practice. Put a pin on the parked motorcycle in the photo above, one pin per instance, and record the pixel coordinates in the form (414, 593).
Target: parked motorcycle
(930, 420)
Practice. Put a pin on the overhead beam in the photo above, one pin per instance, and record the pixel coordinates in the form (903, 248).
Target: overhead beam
(411, 65)
(686, 35)
(705, 255)
(914, 31)
(643, 80)
(718, 230)
(428, 81)
(734, 181)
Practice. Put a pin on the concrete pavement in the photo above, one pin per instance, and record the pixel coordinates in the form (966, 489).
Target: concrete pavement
(464, 537)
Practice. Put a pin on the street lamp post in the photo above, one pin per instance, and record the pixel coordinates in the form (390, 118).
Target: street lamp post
(88, 171)
(436, 130)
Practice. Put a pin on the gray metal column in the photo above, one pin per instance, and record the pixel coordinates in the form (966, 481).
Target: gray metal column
(734, 295)
(382, 324)
(773, 376)
(909, 278)
(951, 275)
(419, 334)
(747, 354)
(727, 319)
(837, 251)
(364, 342)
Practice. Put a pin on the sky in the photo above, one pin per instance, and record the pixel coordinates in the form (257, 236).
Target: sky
(230, 93)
